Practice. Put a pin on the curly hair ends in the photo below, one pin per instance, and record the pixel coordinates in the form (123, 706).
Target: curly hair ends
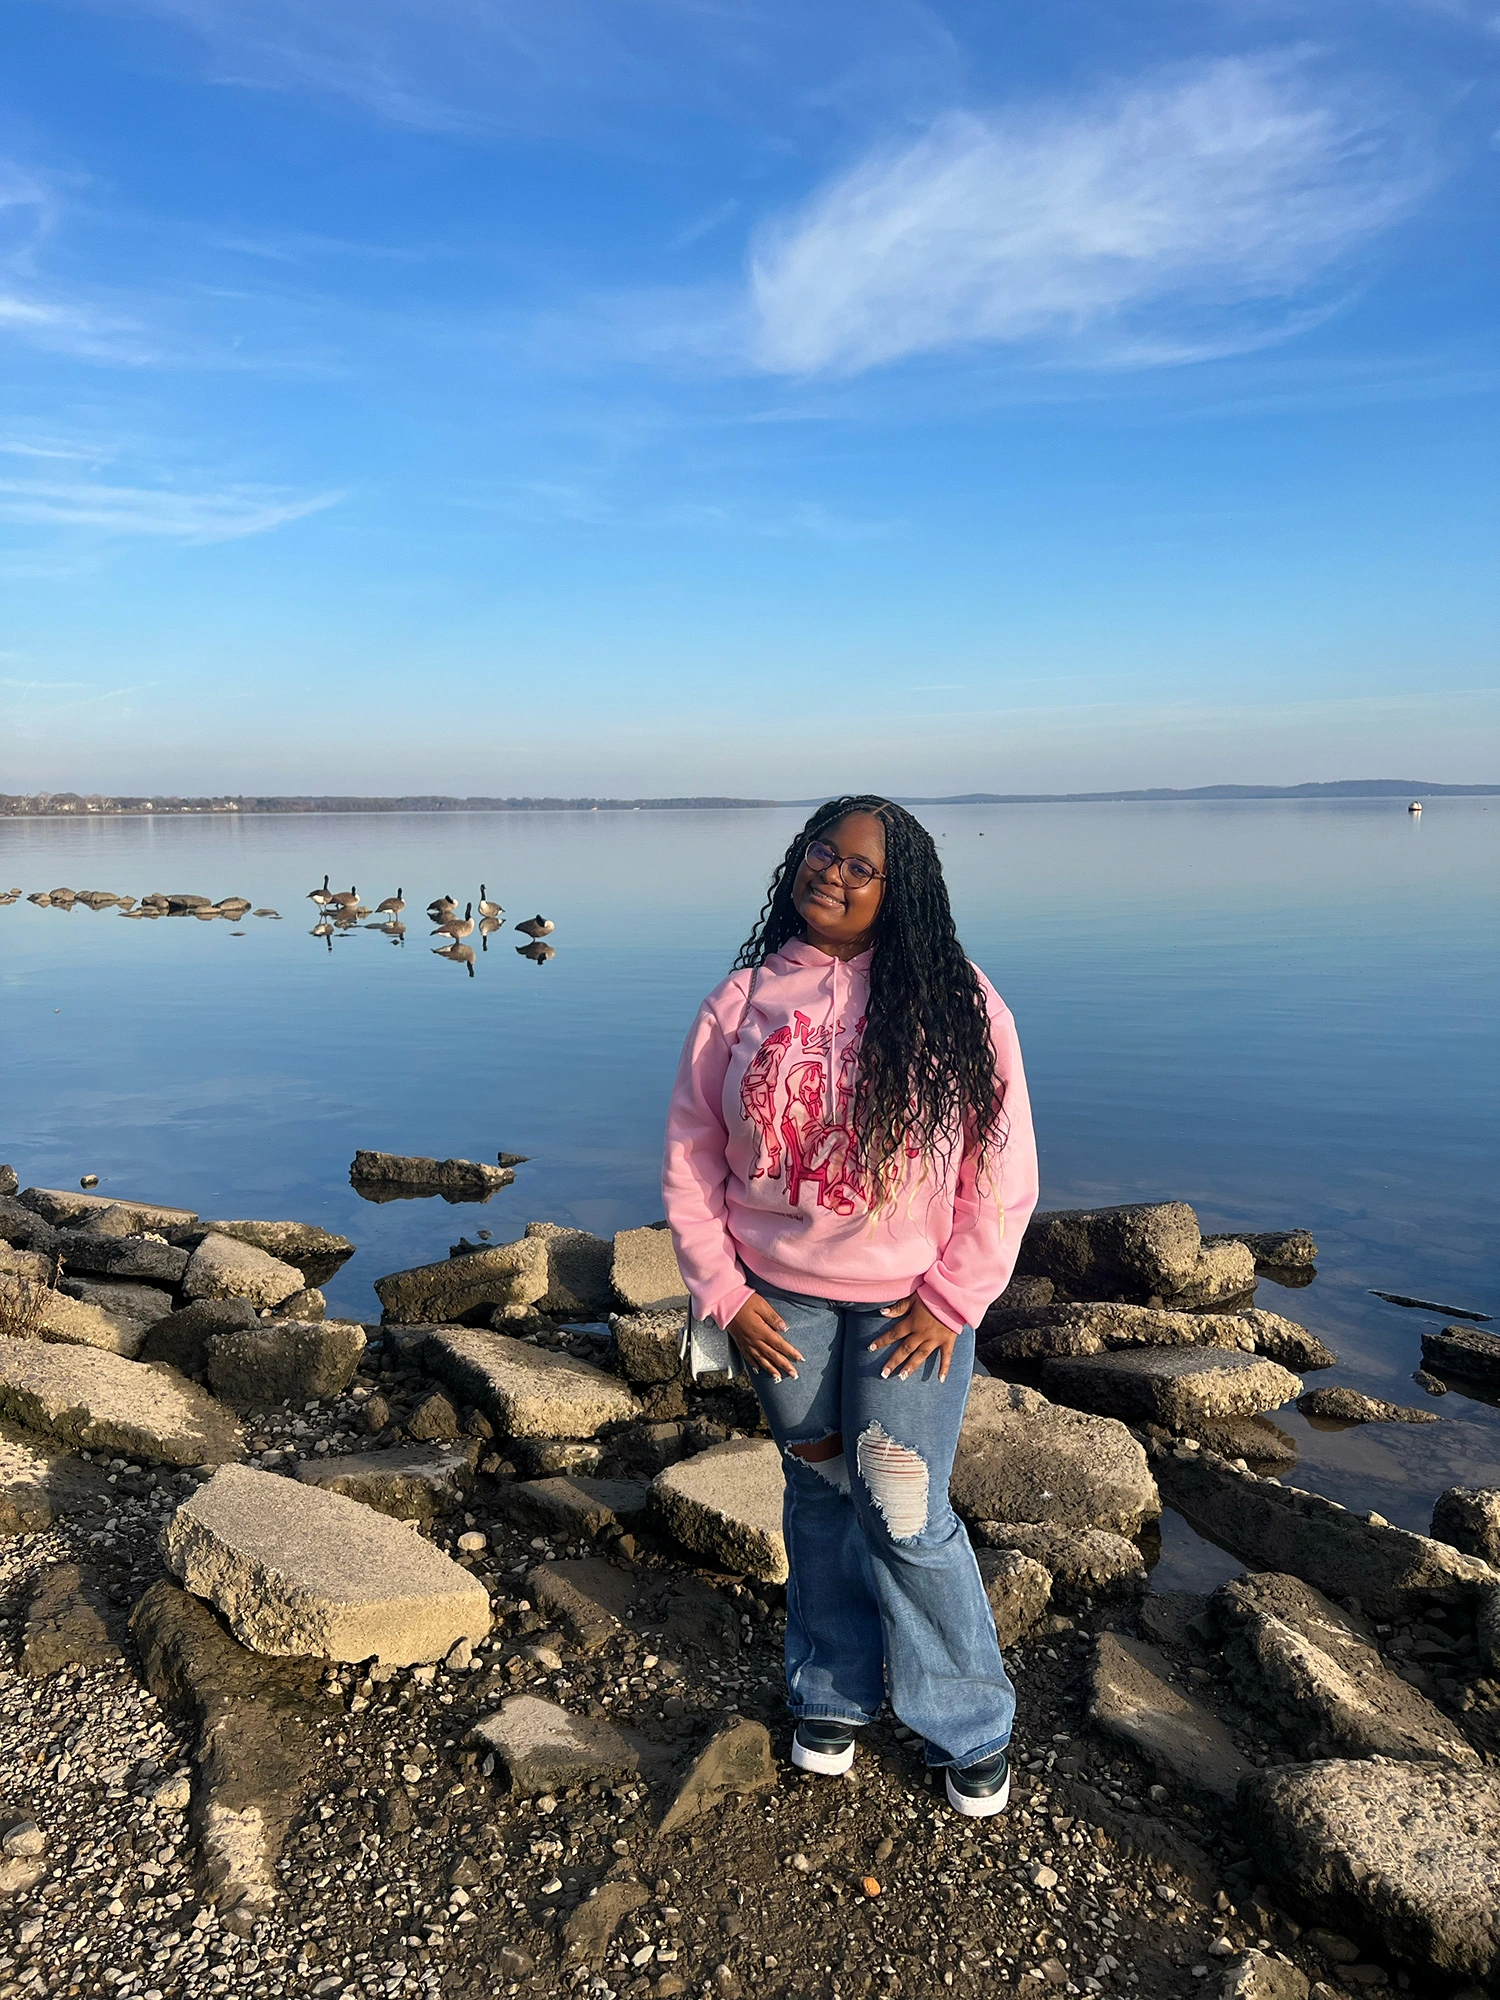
(927, 1077)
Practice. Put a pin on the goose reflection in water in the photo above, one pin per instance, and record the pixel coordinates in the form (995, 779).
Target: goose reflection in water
(323, 930)
(536, 951)
(461, 954)
(487, 929)
(394, 929)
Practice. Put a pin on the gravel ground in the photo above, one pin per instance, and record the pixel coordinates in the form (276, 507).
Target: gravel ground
(407, 1872)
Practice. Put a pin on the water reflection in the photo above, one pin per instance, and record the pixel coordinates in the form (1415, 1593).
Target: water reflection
(536, 951)
(461, 954)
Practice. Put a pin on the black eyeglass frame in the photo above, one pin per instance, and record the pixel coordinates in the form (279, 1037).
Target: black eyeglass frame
(845, 862)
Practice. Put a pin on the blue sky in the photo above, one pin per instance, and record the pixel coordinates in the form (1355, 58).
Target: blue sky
(751, 398)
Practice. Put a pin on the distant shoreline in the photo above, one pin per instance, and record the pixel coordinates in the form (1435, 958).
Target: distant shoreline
(76, 805)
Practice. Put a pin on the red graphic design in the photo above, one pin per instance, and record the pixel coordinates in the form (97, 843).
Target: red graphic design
(804, 1143)
(758, 1102)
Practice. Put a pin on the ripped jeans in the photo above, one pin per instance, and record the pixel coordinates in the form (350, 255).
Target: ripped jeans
(884, 1598)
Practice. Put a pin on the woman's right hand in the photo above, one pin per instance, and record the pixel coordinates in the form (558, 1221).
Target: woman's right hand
(759, 1332)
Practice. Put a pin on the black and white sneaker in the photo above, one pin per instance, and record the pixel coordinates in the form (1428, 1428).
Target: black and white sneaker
(983, 1789)
(824, 1747)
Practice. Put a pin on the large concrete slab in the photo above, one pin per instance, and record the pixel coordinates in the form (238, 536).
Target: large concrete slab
(63, 1207)
(317, 1253)
(183, 1338)
(578, 1265)
(83, 1396)
(410, 1483)
(1404, 1855)
(725, 1504)
(285, 1360)
(70, 1322)
(1133, 1698)
(1466, 1352)
(1021, 1458)
(1224, 1270)
(1144, 1248)
(645, 1273)
(138, 1257)
(223, 1268)
(1316, 1671)
(300, 1572)
(467, 1288)
(649, 1345)
(1173, 1386)
(146, 1303)
(528, 1392)
(1274, 1527)
(1045, 1332)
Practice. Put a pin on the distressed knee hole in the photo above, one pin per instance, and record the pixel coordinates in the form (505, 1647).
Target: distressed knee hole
(897, 1480)
(826, 1457)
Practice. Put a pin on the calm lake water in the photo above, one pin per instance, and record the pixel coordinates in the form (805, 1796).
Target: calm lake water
(1282, 1012)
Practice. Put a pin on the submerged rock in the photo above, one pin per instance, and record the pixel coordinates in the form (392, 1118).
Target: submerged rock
(1466, 1352)
(302, 1572)
(1021, 1458)
(1348, 1406)
(1408, 1854)
(390, 1175)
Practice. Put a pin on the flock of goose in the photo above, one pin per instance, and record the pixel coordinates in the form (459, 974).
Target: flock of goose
(342, 910)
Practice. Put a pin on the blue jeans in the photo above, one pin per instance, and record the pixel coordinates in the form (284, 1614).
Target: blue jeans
(884, 1598)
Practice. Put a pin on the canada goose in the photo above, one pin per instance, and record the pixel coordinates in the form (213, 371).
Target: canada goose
(458, 927)
(320, 896)
(461, 954)
(392, 906)
(486, 907)
(440, 907)
(537, 927)
(345, 899)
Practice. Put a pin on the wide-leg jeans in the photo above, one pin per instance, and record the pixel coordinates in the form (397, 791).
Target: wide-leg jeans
(884, 1598)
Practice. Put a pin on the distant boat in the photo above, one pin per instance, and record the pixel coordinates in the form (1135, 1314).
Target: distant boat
(1415, 806)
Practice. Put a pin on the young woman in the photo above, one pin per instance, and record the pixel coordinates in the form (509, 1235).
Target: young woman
(849, 1170)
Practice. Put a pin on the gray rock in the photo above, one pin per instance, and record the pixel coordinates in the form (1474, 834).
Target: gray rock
(725, 1504)
(255, 1726)
(589, 1928)
(464, 1180)
(1487, 1627)
(1348, 1406)
(1021, 1458)
(1142, 1248)
(1087, 1565)
(409, 1484)
(8, 1181)
(1275, 1249)
(1173, 1386)
(140, 1257)
(1464, 1351)
(35, 1266)
(1041, 1333)
(1023, 1295)
(1018, 1588)
(572, 1509)
(1132, 1698)
(578, 1266)
(65, 1207)
(1275, 1527)
(1257, 1440)
(182, 1339)
(1256, 1976)
(735, 1763)
(284, 1360)
(1315, 1669)
(317, 1253)
(544, 1749)
(540, 1458)
(309, 1305)
(1223, 1271)
(39, 1488)
(302, 1572)
(469, 1288)
(1433, 1384)
(434, 1420)
(83, 1396)
(1406, 1854)
(1468, 1518)
(644, 1272)
(566, 1599)
(649, 1345)
(69, 1623)
(525, 1391)
(25, 1229)
(223, 1268)
(120, 1299)
(68, 1322)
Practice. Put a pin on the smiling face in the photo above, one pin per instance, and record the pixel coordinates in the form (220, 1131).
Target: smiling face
(838, 917)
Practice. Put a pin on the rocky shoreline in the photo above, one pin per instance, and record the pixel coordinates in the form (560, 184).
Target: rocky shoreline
(441, 1655)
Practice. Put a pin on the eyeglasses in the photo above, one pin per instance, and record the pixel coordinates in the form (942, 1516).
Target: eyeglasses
(854, 871)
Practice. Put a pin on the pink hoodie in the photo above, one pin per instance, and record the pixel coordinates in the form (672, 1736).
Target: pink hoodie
(757, 1170)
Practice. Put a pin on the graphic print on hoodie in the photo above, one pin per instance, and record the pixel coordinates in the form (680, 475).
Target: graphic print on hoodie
(761, 1176)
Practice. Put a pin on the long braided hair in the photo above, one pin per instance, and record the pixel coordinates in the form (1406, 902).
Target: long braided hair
(927, 1081)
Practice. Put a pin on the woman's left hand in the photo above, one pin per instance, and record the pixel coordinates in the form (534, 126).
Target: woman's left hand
(916, 1334)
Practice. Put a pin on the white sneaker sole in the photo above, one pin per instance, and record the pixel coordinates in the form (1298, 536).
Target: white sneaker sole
(825, 1763)
(978, 1808)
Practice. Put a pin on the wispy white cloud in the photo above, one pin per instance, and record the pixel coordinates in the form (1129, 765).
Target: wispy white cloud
(1189, 217)
(228, 515)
